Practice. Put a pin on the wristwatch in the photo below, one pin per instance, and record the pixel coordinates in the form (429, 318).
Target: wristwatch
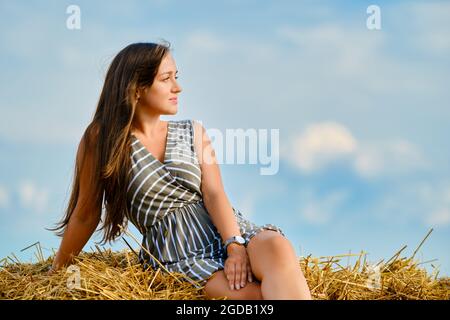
(234, 239)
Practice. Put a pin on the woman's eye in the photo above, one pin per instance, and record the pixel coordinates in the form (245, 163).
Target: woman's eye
(169, 78)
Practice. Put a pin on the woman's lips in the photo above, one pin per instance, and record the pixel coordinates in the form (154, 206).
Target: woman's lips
(174, 100)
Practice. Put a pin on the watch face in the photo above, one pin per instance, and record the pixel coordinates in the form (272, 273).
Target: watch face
(240, 240)
(236, 239)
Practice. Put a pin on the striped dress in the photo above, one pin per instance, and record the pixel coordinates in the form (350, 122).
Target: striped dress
(165, 204)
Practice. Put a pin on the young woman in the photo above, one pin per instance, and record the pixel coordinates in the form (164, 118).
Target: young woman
(163, 177)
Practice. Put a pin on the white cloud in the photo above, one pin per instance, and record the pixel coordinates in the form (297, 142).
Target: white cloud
(320, 209)
(321, 144)
(33, 197)
(4, 197)
(325, 143)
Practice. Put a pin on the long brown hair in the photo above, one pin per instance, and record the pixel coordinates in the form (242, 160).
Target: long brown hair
(108, 135)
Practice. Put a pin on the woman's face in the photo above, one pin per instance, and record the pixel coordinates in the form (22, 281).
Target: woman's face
(161, 96)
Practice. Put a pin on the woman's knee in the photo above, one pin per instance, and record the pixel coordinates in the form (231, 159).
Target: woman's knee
(269, 251)
(218, 287)
(272, 243)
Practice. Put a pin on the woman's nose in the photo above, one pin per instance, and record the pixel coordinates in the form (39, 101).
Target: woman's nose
(177, 88)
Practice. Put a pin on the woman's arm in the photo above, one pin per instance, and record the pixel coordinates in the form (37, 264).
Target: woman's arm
(214, 196)
(237, 265)
(75, 237)
(86, 215)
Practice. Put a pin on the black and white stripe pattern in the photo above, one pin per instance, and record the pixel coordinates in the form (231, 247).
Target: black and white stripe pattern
(165, 204)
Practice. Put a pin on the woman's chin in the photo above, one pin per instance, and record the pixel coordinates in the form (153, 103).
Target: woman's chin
(173, 110)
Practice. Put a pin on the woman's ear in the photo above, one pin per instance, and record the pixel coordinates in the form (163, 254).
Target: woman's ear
(138, 94)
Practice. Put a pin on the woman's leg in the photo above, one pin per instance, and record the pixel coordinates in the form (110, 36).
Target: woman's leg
(218, 286)
(275, 264)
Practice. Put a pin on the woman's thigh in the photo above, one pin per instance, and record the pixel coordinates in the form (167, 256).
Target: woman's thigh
(218, 286)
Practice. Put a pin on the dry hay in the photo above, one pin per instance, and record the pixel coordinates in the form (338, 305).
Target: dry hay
(105, 274)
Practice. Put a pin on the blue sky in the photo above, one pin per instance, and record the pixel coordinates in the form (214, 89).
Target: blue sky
(363, 115)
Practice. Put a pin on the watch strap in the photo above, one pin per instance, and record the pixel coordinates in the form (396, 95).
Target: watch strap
(235, 239)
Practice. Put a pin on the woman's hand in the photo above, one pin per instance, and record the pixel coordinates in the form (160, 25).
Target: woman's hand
(51, 271)
(237, 266)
